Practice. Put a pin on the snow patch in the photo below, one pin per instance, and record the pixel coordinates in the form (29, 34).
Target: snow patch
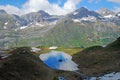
(118, 14)
(89, 18)
(5, 27)
(110, 76)
(34, 49)
(23, 27)
(6, 23)
(109, 16)
(75, 13)
(76, 20)
(53, 47)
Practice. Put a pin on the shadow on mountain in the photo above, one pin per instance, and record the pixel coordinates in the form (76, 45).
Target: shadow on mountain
(97, 60)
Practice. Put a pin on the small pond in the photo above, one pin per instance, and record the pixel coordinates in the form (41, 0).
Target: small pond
(59, 60)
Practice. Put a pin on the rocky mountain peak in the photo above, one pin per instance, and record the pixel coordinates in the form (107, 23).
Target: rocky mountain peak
(43, 13)
(81, 9)
(105, 12)
(83, 13)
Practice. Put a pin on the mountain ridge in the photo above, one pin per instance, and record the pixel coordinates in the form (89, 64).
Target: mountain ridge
(36, 28)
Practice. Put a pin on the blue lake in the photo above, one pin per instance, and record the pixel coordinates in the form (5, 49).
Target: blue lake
(59, 60)
(63, 61)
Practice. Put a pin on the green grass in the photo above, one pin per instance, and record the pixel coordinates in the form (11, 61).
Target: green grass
(70, 51)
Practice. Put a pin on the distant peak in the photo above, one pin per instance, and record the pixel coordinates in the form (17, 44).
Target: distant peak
(3, 11)
(83, 8)
(103, 8)
(41, 11)
(105, 11)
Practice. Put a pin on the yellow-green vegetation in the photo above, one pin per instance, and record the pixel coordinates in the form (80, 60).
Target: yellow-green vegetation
(97, 60)
(44, 49)
(70, 51)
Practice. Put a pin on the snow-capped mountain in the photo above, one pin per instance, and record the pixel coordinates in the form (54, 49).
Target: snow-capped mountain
(40, 18)
(42, 27)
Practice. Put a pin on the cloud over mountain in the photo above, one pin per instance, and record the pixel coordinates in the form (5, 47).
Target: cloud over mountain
(35, 5)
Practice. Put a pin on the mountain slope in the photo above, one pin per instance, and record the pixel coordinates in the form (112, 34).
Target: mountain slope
(81, 28)
(97, 60)
(69, 33)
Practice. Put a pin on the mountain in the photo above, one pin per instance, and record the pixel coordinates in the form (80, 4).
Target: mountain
(109, 16)
(13, 26)
(40, 18)
(84, 14)
(36, 16)
(81, 28)
(72, 34)
(6, 20)
(97, 60)
(8, 25)
(106, 13)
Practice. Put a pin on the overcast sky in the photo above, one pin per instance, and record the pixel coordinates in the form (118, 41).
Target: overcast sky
(56, 7)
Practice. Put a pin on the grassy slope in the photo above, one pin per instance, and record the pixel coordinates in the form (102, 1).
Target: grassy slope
(97, 60)
(70, 34)
(27, 66)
